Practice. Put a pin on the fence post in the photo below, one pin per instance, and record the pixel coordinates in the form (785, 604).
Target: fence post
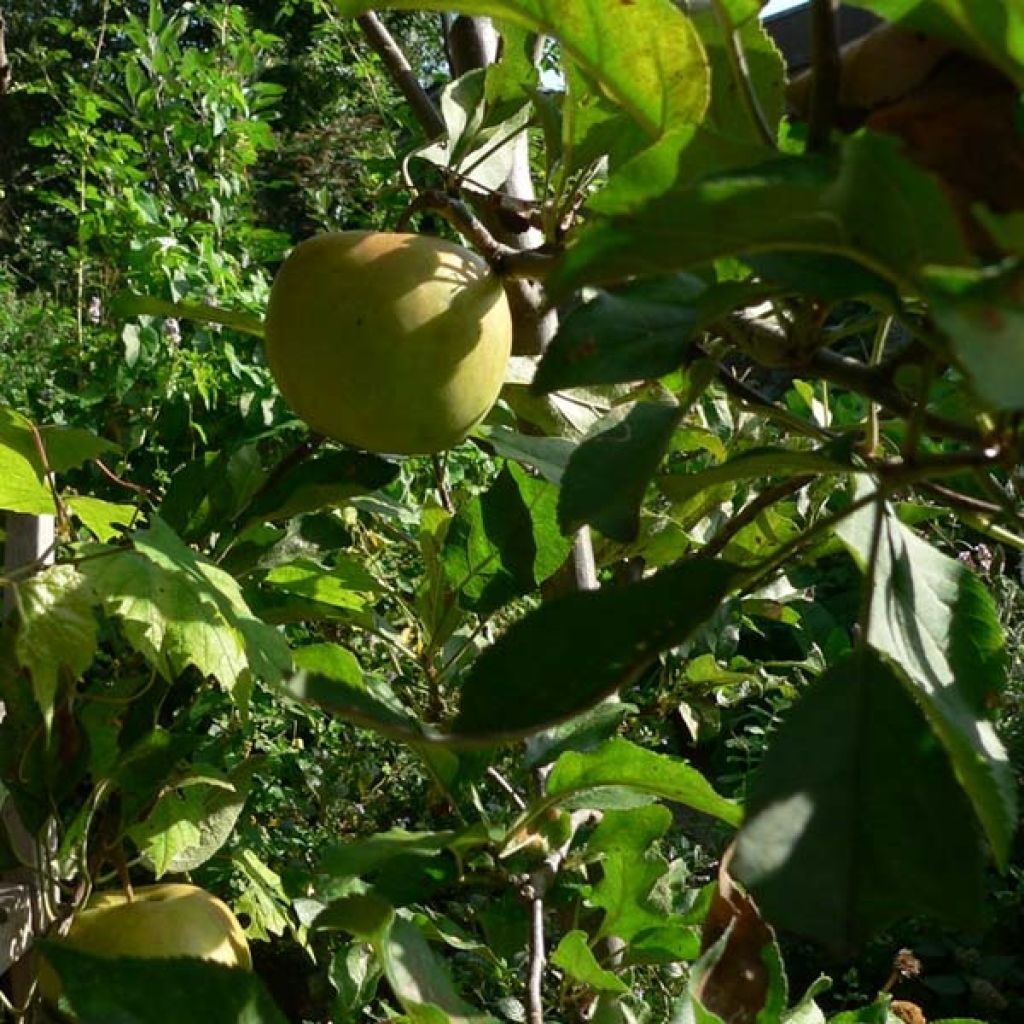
(23, 913)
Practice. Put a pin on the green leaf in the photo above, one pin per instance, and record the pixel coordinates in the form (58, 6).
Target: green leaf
(504, 542)
(263, 897)
(638, 333)
(57, 631)
(621, 763)
(548, 455)
(845, 800)
(629, 870)
(22, 481)
(765, 70)
(104, 519)
(608, 474)
(362, 857)
(755, 464)
(873, 207)
(128, 305)
(935, 619)
(584, 731)
(324, 481)
(192, 821)
(206, 494)
(131, 991)
(575, 650)
(577, 959)
(329, 675)
(178, 609)
(992, 29)
(416, 976)
(656, 70)
(982, 312)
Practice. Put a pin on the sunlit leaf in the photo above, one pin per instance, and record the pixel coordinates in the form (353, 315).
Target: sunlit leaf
(656, 68)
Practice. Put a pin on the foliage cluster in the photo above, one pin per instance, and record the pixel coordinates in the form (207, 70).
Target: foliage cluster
(366, 699)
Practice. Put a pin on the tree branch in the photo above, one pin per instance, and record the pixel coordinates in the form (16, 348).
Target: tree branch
(5, 65)
(826, 66)
(384, 45)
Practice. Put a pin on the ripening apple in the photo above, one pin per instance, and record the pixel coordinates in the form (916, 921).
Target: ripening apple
(170, 920)
(393, 343)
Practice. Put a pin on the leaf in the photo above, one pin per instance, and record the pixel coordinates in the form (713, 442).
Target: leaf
(22, 482)
(608, 474)
(982, 312)
(740, 984)
(362, 857)
(575, 650)
(629, 870)
(128, 305)
(935, 619)
(504, 542)
(577, 959)
(758, 463)
(992, 29)
(415, 974)
(841, 836)
(656, 70)
(192, 821)
(873, 207)
(105, 990)
(584, 731)
(638, 333)
(765, 70)
(178, 609)
(102, 518)
(329, 675)
(621, 763)
(323, 481)
(263, 897)
(206, 494)
(548, 455)
(57, 631)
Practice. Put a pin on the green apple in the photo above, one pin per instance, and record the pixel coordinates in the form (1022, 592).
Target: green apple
(393, 343)
(168, 920)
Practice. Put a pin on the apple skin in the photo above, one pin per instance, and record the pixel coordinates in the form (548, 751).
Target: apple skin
(393, 343)
(170, 920)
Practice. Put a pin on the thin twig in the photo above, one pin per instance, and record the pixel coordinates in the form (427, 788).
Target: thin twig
(507, 787)
(385, 46)
(751, 511)
(827, 68)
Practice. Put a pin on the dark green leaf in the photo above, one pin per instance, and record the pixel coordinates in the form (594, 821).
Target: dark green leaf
(575, 650)
(323, 481)
(133, 991)
(983, 314)
(638, 333)
(504, 542)
(845, 800)
(608, 474)
(205, 495)
(875, 208)
(935, 619)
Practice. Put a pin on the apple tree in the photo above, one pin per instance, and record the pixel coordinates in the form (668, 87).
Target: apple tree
(763, 367)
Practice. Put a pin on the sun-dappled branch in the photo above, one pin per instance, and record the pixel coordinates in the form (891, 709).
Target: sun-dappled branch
(402, 73)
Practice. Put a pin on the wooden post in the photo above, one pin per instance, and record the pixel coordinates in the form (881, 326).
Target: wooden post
(23, 913)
